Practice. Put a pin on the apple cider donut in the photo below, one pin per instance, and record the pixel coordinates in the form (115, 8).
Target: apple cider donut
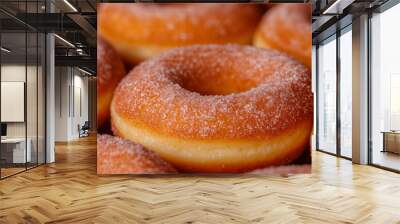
(287, 28)
(140, 31)
(119, 156)
(110, 70)
(217, 108)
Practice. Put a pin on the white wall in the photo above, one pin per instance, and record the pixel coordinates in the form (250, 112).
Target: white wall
(61, 103)
(71, 94)
(81, 84)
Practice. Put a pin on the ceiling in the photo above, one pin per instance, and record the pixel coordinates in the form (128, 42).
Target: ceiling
(75, 21)
(332, 15)
(72, 20)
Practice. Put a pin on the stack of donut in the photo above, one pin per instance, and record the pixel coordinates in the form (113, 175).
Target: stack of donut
(199, 98)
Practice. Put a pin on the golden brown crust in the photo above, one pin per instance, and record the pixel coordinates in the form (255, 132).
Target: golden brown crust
(118, 156)
(216, 92)
(110, 70)
(145, 30)
(287, 27)
(218, 156)
(217, 108)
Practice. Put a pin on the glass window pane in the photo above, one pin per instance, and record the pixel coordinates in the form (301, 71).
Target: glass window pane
(346, 94)
(31, 97)
(22, 88)
(327, 96)
(385, 95)
(14, 153)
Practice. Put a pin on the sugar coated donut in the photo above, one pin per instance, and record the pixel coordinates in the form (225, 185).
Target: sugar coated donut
(118, 156)
(287, 28)
(140, 31)
(217, 108)
(110, 71)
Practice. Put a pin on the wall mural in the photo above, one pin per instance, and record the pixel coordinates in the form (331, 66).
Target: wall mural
(204, 88)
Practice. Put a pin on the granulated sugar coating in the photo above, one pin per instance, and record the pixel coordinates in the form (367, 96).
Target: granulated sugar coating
(145, 30)
(109, 65)
(216, 92)
(170, 24)
(287, 28)
(118, 156)
(110, 71)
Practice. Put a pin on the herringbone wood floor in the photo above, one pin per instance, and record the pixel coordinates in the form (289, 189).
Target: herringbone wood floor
(69, 191)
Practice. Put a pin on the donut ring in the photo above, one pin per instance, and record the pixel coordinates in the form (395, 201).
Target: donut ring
(118, 156)
(217, 108)
(110, 71)
(287, 28)
(145, 30)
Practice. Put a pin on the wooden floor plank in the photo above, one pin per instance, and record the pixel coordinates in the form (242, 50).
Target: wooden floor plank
(69, 191)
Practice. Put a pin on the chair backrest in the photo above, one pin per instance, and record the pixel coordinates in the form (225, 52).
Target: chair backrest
(86, 125)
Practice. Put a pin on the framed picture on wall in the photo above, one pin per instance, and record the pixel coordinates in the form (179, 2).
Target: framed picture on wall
(12, 101)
